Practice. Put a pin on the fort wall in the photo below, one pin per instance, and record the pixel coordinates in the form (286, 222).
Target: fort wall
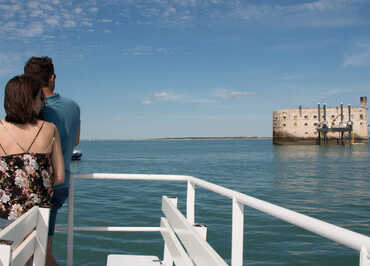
(301, 125)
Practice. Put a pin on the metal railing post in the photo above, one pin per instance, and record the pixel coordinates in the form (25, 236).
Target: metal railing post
(202, 230)
(364, 257)
(343, 236)
(190, 203)
(70, 222)
(167, 258)
(237, 233)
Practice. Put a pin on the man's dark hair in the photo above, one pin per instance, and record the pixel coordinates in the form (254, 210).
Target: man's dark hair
(41, 68)
(20, 94)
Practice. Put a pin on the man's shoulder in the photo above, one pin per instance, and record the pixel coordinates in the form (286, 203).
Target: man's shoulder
(68, 100)
(63, 101)
(59, 104)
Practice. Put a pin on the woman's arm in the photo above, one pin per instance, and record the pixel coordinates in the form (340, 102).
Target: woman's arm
(78, 135)
(57, 160)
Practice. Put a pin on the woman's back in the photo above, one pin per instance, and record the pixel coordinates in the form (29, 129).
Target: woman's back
(26, 138)
(25, 167)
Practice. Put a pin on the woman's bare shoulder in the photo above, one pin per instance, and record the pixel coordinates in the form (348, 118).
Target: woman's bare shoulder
(49, 127)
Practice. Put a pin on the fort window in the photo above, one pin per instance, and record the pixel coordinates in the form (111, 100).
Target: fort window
(306, 116)
(332, 116)
(284, 117)
(361, 116)
(284, 125)
(315, 124)
(332, 124)
(305, 124)
(306, 133)
(360, 123)
(315, 116)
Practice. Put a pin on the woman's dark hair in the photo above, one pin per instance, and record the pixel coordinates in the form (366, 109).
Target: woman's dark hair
(20, 94)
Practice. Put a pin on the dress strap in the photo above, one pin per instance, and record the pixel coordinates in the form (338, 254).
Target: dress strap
(38, 132)
(52, 141)
(1, 146)
(6, 128)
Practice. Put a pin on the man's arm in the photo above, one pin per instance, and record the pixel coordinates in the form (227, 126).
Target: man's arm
(78, 135)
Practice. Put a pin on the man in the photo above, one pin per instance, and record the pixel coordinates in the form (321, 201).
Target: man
(65, 114)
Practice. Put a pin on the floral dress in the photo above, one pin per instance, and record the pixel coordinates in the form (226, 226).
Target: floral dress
(25, 181)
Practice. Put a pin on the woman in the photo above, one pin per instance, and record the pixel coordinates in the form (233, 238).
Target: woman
(31, 159)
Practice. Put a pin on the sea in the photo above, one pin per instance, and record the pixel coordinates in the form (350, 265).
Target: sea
(330, 183)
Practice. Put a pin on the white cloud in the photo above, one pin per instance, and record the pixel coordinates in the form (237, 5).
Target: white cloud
(10, 63)
(69, 23)
(324, 5)
(33, 4)
(42, 17)
(188, 2)
(360, 57)
(290, 77)
(93, 9)
(4, 63)
(86, 23)
(202, 101)
(160, 94)
(53, 21)
(335, 91)
(146, 102)
(37, 13)
(169, 12)
(238, 94)
(313, 13)
(72, 15)
(10, 8)
(142, 50)
(358, 60)
(9, 26)
(47, 7)
(164, 96)
(78, 10)
(228, 94)
(33, 30)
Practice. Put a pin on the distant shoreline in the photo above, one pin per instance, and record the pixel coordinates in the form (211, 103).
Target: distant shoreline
(185, 138)
(215, 138)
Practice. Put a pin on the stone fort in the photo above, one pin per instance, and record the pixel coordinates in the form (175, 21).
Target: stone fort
(321, 125)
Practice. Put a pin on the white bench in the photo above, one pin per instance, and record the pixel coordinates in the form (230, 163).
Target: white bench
(25, 237)
(185, 244)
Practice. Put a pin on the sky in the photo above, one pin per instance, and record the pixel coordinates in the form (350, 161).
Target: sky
(191, 68)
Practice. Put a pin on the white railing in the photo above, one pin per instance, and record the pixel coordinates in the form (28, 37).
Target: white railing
(25, 237)
(351, 239)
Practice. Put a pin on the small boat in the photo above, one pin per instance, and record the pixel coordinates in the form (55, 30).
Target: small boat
(76, 155)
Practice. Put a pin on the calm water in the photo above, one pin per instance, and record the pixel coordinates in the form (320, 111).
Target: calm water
(328, 183)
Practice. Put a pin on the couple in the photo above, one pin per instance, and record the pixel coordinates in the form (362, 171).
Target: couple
(35, 154)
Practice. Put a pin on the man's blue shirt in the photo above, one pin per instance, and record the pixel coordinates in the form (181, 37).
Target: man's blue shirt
(65, 114)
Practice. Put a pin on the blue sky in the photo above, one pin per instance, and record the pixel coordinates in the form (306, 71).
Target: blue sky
(176, 68)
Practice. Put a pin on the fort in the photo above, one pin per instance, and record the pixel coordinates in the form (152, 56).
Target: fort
(321, 125)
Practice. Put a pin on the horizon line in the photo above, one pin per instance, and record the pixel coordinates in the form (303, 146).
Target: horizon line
(175, 138)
